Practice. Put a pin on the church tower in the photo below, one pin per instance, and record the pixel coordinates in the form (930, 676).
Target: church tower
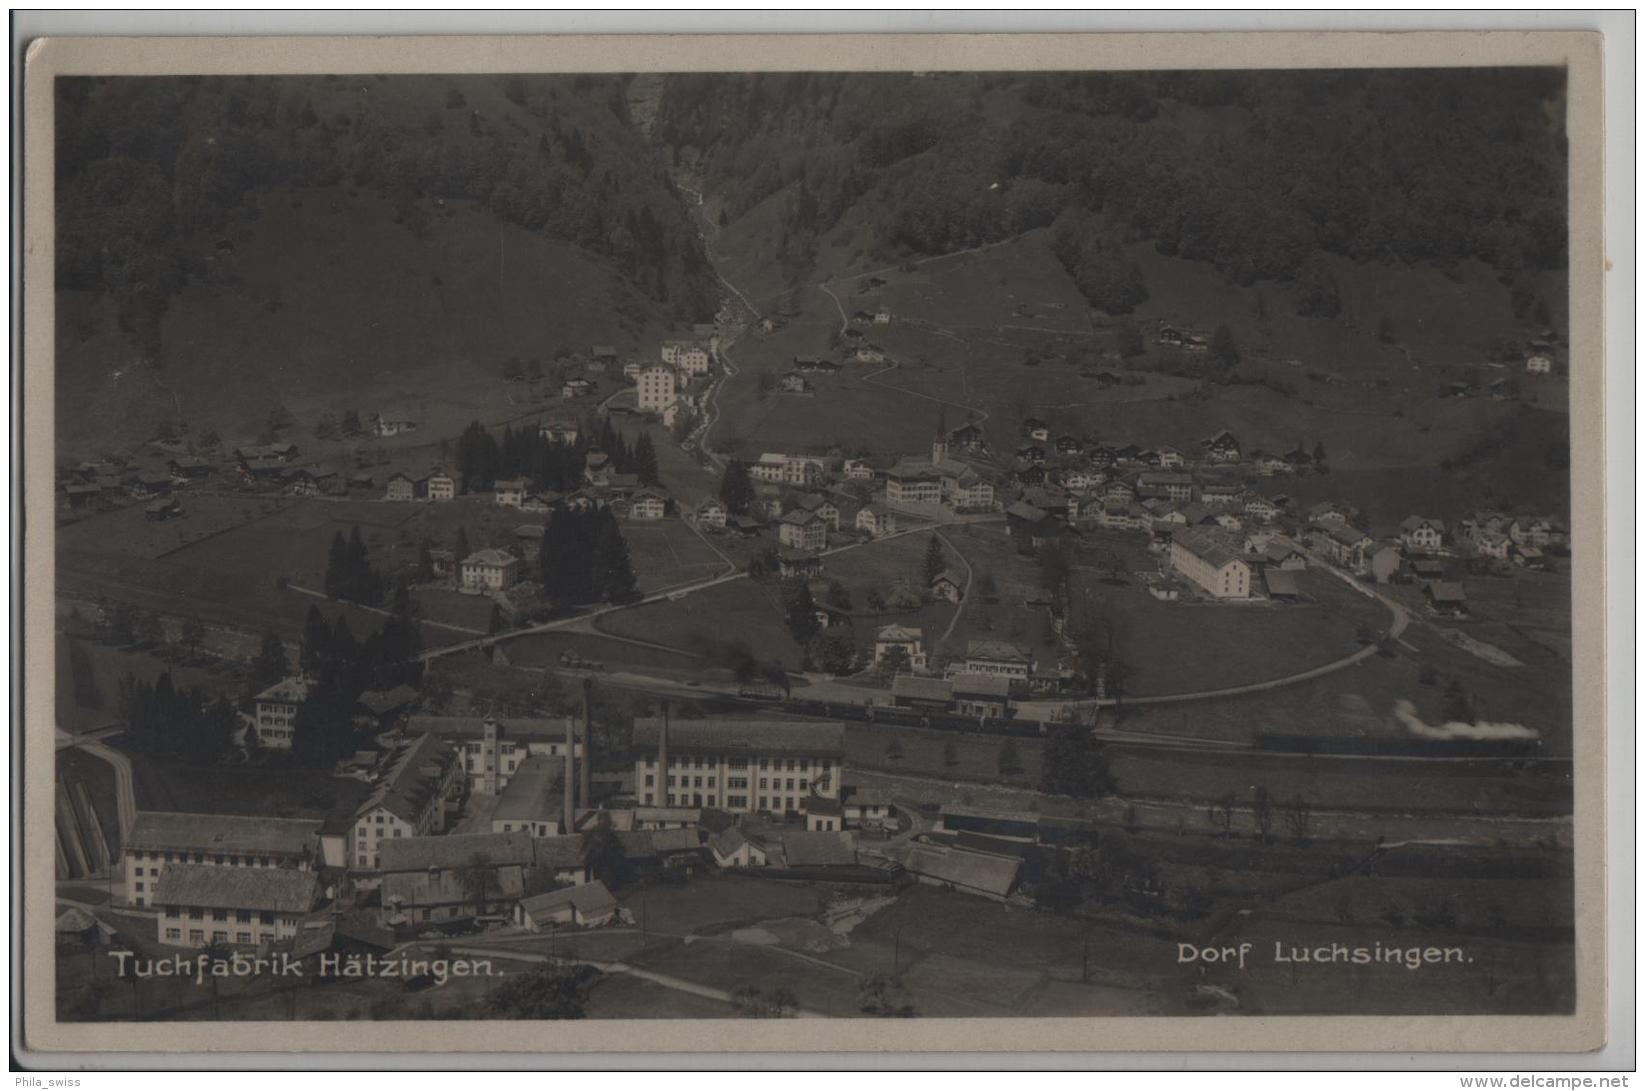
(939, 443)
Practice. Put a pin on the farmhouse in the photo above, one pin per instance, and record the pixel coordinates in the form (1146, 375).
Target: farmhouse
(800, 529)
(794, 383)
(511, 492)
(559, 430)
(739, 766)
(1034, 428)
(489, 570)
(1492, 545)
(947, 585)
(393, 423)
(161, 838)
(242, 906)
(648, 504)
(1221, 495)
(277, 711)
(404, 487)
(1222, 447)
(1445, 598)
(822, 507)
(1422, 535)
(857, 469)
(586, 906)
(999, 658)
(166, 507)
(877, 519)
(711, 513)
(1262, 509)
(1211, 563)
(604, 355)
(894, 638)
(576, 388)
(1343, 543)
(1539, 364)
(441, 486)
(422, 790)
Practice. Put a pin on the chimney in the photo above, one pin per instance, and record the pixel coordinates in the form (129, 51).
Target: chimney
(584, 783)
(570, 775)
(662, 759)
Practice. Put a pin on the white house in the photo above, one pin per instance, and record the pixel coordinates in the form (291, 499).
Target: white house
(656, 389)
(511, 492)
(277, 711)
(910, 640)
(489, 570)
(1422, 535)
(877, 519)
(1211, 563)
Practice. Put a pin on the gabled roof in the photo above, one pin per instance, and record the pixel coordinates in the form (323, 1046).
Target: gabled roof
(922, 689)
(747, 736)
(294, 690)
(973, 870)
(590, 899)
(491, 556)
(455, 850)
(279, 890)
(899, 634)
(977, 684)
(1446, 591)
(535, 791)
(996, 649)
(161, 831)
(1280, 581)
(1207, 546)
(819, 848)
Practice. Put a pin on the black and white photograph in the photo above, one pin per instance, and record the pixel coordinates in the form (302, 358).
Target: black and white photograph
(838, 545)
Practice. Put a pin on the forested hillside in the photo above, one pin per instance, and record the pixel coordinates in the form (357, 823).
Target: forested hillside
(149, 168)
(1259, 176)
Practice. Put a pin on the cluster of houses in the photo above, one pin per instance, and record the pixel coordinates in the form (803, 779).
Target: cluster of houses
(680, 380)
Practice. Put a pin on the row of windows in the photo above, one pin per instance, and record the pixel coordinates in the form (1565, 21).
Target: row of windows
(232, 859)
(195, 913)
(766, 764)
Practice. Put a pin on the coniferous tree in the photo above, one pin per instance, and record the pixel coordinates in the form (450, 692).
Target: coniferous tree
(461, 549)
(645, 459)
(316, 641)
(614, 573)
(736, 489)
(269, 665)
(934, 560)
(336, 583)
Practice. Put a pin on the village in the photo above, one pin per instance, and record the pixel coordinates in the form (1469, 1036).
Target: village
(502, 828)
(833, 575)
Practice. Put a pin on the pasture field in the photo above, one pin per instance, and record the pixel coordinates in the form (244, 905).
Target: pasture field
(667, 553)
(741, 613)
(128, 532)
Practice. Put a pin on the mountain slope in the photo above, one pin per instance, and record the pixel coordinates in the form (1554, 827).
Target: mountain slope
(215, 227)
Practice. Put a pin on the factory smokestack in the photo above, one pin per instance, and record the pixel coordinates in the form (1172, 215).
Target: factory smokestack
(570, 774)
(585, 782)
